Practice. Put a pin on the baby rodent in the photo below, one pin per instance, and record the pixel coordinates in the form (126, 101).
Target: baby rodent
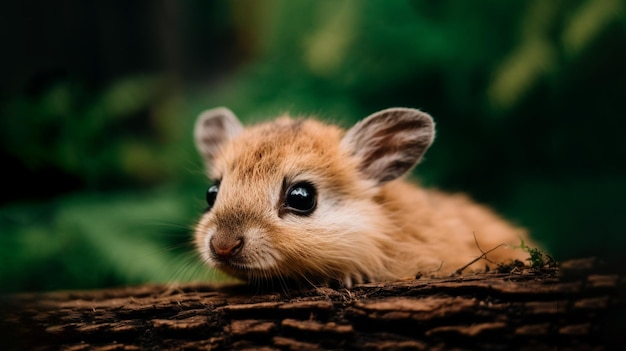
(297, 199)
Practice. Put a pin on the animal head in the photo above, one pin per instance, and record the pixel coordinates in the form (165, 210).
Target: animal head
(297, 198)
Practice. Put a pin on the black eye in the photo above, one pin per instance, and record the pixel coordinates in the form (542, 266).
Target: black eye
(211, 195)
(301, 198)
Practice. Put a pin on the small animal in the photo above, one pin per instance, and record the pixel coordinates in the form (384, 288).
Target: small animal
(296, 199)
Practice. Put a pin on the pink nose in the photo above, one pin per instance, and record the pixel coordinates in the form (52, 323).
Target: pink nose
(226, 248)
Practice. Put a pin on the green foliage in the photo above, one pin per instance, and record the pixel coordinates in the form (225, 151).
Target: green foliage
(108, 136)
(92, 240)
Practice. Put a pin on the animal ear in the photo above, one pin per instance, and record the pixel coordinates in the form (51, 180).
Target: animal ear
(213, 128)
(388, 143)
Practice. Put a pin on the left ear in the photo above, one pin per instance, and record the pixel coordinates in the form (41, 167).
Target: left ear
(388, 143)
(213, 129)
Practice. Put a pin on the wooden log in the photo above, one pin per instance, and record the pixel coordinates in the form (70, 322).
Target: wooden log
(579, 308)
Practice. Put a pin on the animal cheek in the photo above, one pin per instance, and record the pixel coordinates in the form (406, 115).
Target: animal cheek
(202, 237)
(201, 232)
(204, 228)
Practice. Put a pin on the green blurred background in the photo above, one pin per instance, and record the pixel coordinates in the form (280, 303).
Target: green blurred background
(101, 183)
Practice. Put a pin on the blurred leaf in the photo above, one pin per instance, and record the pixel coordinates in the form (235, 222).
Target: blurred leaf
(327, 46)
(97, 240)
(533, 58)
(129, 95)
(88, 136)
(588, 21)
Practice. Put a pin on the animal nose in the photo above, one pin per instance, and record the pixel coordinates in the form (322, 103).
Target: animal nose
(226, 248)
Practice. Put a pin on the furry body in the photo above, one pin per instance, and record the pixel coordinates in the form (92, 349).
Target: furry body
(369, 223)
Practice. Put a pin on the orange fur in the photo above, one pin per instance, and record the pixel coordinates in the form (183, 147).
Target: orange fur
(360, 230)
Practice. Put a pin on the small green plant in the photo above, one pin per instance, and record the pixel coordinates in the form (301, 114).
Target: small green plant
(538, 258)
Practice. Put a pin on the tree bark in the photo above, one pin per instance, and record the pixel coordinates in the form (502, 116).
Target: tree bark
(579, 306)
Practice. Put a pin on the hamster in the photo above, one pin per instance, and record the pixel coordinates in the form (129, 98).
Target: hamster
(301, 200)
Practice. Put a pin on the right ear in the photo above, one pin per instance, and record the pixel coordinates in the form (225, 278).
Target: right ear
(214, 128)
(388, 143)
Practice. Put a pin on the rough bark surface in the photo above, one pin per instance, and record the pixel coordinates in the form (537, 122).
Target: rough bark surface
(581, 307)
